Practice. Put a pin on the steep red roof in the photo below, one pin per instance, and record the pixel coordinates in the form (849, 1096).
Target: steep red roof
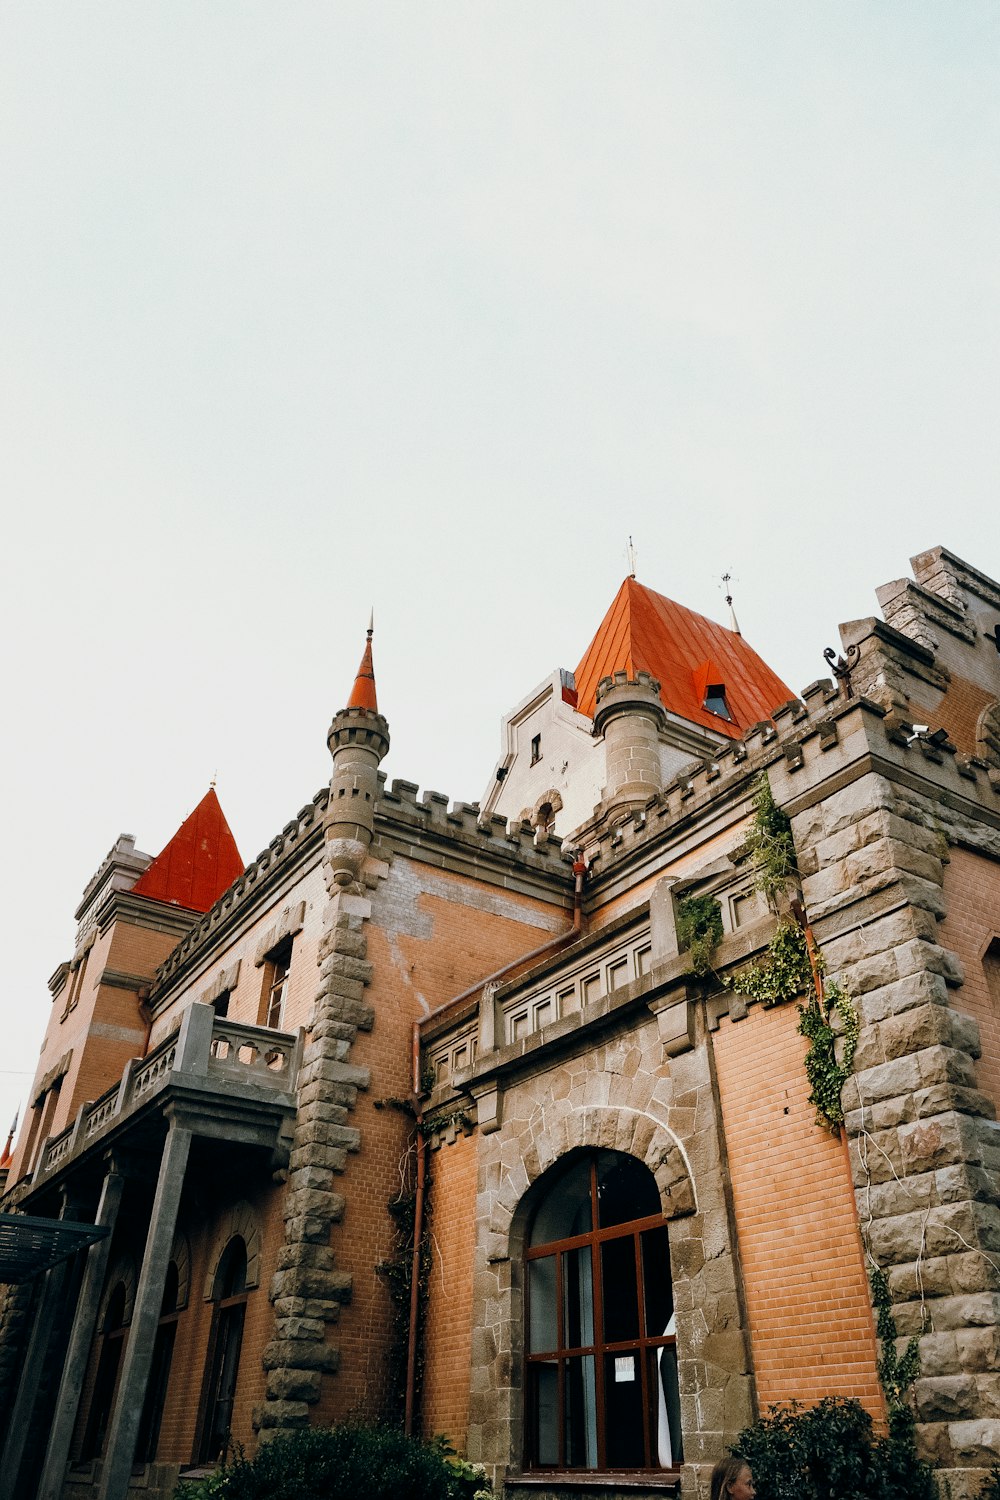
(363, 692)
(198, 864)
(687, 653)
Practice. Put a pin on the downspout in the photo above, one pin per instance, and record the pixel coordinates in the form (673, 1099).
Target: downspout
(574, 930)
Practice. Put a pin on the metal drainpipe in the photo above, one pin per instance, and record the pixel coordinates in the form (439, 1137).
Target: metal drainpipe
(579, 870)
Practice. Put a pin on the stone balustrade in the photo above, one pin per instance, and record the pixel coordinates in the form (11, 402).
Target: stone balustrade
(223, 1055)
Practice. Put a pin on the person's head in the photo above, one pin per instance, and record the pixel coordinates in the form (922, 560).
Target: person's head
(732, 1480)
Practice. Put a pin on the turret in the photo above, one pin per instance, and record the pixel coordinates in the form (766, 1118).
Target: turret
(358, 740)
(629, 717)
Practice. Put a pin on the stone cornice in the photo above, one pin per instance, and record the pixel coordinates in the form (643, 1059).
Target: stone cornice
(140, 911)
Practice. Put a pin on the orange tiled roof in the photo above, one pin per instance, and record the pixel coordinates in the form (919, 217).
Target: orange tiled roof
(646, 632)
(363, 693)
(198, 864)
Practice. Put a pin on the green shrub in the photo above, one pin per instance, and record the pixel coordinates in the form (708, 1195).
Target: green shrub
(830, 1452)
(699, 930)
(343, 1463)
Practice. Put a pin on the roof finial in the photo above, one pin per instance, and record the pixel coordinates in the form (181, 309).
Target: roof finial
(215, 777)
(363, 693)
(734, 624)
(630, 553)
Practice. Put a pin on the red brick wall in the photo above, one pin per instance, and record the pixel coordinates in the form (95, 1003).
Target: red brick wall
(807, 1297)
(972, 888)
(448, 1341)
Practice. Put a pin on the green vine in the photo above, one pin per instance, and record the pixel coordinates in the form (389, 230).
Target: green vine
(396, 1271)
(793, 963)
(699, 930)
(826, 1074)
(896, 1372)
(782, 973)
(770, 843)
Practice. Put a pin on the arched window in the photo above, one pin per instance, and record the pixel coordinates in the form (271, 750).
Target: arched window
(159, 1370)
(230, 1297)
(601, 1363)
(113, 1331)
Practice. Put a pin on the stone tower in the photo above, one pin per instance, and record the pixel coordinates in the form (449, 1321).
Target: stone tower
(358, 741)
(309, 1287)
(629, 717)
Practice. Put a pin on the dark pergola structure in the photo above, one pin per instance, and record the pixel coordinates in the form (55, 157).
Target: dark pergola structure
(29, 1246)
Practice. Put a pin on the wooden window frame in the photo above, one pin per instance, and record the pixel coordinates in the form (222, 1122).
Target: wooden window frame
(274, 989)
(228, 1323)
(640, 1347)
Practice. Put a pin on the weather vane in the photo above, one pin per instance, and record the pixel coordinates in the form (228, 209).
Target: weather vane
(726, 580)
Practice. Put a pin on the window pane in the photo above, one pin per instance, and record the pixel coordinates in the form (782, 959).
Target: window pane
(657, 1290)
(542, 1332)
(581, 1413)
(666, 1424)
(544, 1412)
(578, 1298)
(565, 1210)
(618, 1286)
(623, 1404)
(626, 1189)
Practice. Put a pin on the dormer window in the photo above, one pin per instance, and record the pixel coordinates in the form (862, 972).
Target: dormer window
(536, 749)
(715, 701)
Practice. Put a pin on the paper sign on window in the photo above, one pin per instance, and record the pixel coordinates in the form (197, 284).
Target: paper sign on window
(624, 1367)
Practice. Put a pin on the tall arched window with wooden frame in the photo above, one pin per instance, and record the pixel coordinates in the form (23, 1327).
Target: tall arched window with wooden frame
(600, 1349)
(114, 1330)
(224, 1345)
(159, 1370)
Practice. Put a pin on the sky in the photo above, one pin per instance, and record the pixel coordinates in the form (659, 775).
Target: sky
(308, 308)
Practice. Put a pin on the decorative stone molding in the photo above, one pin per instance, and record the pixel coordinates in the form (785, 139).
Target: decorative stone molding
(226, 979)
(988, 734)
(121, 1270)
(242, 1221)
(290, 922)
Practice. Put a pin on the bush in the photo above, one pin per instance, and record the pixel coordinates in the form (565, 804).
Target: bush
(343, 1463)
(830, 1452)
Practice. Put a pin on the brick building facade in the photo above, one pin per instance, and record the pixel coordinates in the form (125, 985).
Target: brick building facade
(637, 1236)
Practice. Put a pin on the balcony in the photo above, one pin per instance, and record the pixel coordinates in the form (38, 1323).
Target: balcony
(235, 1083)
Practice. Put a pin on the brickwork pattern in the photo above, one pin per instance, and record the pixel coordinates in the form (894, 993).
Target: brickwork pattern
(807, 1296)
(448, 1343)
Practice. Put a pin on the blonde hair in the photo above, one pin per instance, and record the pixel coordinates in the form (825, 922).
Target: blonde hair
(725, 1473)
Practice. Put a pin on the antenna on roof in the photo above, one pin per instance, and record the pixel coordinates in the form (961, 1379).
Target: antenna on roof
(734, 624)
(630, 554)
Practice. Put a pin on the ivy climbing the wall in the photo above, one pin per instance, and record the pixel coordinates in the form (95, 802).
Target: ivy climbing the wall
(793, 964)
(699, 930)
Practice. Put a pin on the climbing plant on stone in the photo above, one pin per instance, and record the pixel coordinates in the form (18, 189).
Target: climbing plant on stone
(793, 963)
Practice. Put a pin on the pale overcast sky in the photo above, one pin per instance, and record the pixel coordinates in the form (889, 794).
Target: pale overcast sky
(309, 307)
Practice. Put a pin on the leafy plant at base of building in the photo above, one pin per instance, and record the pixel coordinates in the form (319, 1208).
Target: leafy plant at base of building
(770, 842)
(344, 1463)
(699, 930)
(827, 1075)
(830, 1451)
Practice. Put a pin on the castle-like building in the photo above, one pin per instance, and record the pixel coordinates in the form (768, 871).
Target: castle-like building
(494, 1118)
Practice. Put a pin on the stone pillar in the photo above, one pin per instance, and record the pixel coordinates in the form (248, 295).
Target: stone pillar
(43, 1321)
(630, 716)
(124, 1430)
(31, 1372)
(81, 1338)
(924, 1148)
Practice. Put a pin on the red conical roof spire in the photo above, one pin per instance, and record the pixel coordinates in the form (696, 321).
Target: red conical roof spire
(363, 693)
(198, 864)
(8, 1155)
